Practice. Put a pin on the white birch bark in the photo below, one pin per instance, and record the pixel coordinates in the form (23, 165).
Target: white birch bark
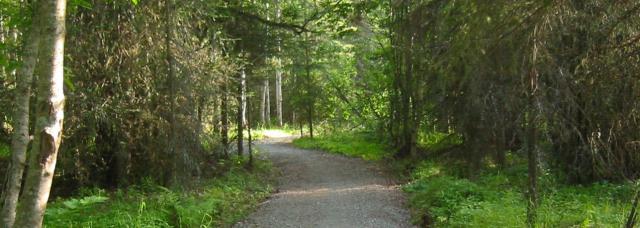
(20, 137)
(265, 87)
(267, 111)
(279, 94)
(243, 81)
(49, 115)
(279, 72)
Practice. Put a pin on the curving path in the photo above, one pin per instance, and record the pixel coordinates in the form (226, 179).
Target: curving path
(318, 189)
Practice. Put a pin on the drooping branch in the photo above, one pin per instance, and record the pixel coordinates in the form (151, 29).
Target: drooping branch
(296, 28)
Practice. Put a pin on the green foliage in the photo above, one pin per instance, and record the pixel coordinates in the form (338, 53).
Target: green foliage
(435, 141)
(221, 201)
(361, 145)
(496, 199)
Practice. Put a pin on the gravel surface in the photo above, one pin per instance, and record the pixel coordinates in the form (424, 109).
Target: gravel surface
(318, 189)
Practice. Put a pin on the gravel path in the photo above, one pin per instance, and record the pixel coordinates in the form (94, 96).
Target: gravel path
(318, 189)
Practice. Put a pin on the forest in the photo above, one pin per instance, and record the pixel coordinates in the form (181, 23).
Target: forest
(158, 113)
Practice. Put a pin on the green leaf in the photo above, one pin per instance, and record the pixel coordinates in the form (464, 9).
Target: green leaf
(69, 84)
(80, 3)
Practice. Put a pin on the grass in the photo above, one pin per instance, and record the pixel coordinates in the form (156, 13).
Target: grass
(351, 144)
(218, 202)
(496, 199)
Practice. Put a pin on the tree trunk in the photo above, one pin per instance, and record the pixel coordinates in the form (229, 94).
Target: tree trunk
(267, 111)
(311, 121)
(2, 41)
(249, 144)
(310, 93)
(20, 139)
(243, 96)
(241, 112)
(279, 93)
(632, 218)
(177, 160)
(301, 128)
(265, 87)
(531, 139)
(215, 121)
(532, 157)
(49, 115)
(224, 116)
(279, 71)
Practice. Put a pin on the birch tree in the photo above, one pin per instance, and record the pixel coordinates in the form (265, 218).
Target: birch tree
(278, 71)
(49, 114)
(20, 138)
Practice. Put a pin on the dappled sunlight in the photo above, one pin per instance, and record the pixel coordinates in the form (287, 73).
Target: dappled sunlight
(318, 191)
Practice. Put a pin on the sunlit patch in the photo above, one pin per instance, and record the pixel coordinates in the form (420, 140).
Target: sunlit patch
(275, 134)
(375, 187)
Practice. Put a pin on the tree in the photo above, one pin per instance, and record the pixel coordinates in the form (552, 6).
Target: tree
(241, 115)
(20, 139)
(49, 114)
(278, 63)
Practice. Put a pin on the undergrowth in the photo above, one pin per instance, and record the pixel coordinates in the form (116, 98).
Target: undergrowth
(440, 196)
(496, 199)
(218, 202)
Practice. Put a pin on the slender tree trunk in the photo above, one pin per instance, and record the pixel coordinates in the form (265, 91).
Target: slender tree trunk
(249, 144)
(224, 116)
(301, 128)
(532, 157)
(632, 218)
(311, 121)
(279, 72)
(171, 83)
(49, 115)
(214, 116)
(267, 103)
(531, 139)
(279, 93)
(20, 139)
(293, 118)
(2, 41)
(310, 94)
(241, 113)
(265, 87)
(200, 107)
(243, 95)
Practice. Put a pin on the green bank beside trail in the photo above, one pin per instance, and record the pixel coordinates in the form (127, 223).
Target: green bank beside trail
(440, 192)
(216, 202)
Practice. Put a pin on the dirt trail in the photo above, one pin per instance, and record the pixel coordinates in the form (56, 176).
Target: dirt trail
(318, 189)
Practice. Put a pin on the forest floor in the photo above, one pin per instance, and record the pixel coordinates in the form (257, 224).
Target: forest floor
(318, 189)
